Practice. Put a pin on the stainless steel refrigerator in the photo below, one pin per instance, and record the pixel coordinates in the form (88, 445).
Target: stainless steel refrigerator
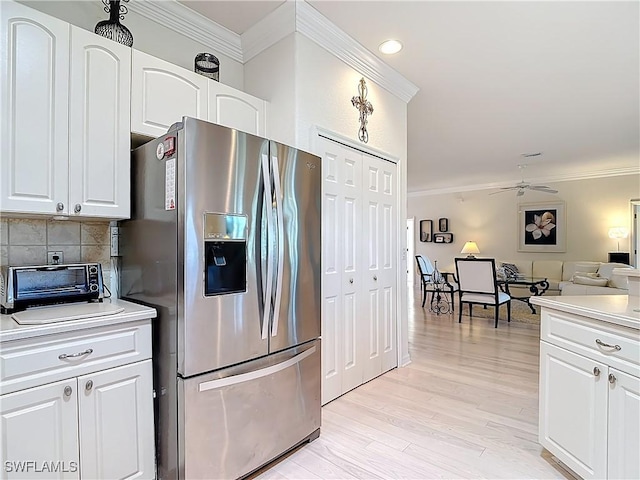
(224, 241)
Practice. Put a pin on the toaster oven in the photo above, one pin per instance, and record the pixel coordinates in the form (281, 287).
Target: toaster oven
(27, 286)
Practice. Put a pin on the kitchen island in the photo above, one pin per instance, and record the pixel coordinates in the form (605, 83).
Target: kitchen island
(590, 383)
(76, 395)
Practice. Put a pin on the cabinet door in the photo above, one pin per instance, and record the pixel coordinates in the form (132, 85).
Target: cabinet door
(162, 93)
(40, 432)
(235, 109)
(99, 140)
(573, 410)
(342, 337)
(378, 247)
(34, 60)
(116, 422)
(624, 426)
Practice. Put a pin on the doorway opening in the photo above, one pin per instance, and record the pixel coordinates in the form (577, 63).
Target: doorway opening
(410, 249)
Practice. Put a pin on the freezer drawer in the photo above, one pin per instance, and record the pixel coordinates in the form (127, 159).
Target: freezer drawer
(240, 418)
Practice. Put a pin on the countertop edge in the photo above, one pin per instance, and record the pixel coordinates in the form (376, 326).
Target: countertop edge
(564, 305)
(133, 312)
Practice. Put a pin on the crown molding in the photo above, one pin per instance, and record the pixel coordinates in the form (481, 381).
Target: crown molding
(318, 28)
(188, 23)
(269, 31)
(613, 172)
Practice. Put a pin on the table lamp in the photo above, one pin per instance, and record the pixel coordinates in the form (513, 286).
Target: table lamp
(470, 248)
(617, 233)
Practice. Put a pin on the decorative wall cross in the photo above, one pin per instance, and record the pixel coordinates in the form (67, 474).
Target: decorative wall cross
(365, 108)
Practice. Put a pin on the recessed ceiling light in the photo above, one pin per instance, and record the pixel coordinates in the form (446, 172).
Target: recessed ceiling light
(390, 47)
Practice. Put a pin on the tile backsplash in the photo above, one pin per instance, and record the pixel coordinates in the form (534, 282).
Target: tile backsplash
(26, 241)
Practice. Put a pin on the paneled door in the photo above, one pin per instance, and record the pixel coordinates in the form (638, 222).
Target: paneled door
(379, 265)
(99, 126)
(575, 423)
(34, 60)
(359, 247)
(341, 305)
(162, 93)
(40, 425)
(116, 422)
(624, 426)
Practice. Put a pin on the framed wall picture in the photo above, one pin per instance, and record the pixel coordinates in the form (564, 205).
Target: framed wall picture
(542, 227)
(426, 230)
(443, 237)
(443, 224)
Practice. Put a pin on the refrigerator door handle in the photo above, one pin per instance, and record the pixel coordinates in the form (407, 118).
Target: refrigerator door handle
(268, 196)
(263, 372)
(280, 226)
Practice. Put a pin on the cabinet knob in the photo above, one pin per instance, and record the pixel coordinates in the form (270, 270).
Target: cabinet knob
(596, 371)
(375, 278)
(77, 208)
(88, 386)
(351, 280)
(68, 391)
(59, 207)
(612, 378)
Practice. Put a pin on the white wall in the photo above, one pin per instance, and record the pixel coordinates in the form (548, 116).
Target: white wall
(592, 207)
(148, 36)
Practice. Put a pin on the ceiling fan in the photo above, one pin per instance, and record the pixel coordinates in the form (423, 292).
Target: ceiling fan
(523, 186)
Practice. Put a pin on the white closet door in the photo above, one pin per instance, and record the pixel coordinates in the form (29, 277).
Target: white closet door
(341, 227)
(379, 269)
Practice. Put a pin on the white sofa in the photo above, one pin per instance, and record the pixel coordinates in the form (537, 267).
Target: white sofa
(572, 277)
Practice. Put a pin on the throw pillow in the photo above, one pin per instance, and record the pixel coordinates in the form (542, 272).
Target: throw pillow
(585, 274)
(510, 270)
(619, 281)
(595, 281)
(606, 269)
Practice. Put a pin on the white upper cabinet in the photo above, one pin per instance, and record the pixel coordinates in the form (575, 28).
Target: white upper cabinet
(35, 116)
(65, 118)
(99, 128)
(235, 109)
(162, 93)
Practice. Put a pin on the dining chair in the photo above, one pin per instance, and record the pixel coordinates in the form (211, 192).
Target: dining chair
(427, 280)
(478, 285)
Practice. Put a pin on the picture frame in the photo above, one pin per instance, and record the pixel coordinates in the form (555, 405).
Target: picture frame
(443, 237)
(426, 230)
(542, 227)
(443, 224)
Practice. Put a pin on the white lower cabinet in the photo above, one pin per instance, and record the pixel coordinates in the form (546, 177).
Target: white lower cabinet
(40, 430)
(589, 406)
(359, 265)
(97, 423)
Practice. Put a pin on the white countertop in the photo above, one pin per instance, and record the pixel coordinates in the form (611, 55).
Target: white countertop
(621, 310)
(11, 330)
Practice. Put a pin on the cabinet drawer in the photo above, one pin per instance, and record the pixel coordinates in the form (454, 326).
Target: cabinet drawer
(36, 361)
(591, 337)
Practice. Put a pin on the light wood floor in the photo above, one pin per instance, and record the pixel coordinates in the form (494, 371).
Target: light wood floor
(466, 407)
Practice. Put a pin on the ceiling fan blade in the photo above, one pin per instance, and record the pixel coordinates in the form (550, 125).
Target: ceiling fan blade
(543, 188)
(499, 191)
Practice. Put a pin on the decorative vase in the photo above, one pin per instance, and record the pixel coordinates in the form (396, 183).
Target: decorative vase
(112, 28)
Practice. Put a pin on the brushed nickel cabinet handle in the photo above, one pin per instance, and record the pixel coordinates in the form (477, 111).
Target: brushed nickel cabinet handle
(351, 280)
(375, 278)
(77, 208)
(602, 344)
(88, 386)
(59, 207)
(596, 371)
(74, 355)
(68, 391)
(612, 378)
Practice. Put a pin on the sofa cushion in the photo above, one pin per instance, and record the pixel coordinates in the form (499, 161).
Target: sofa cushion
(570, 268)
(550, 269)
(590, 280)
(569, 288)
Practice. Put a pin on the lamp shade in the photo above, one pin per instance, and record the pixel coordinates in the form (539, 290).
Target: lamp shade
(618, 232)
(470, 248)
